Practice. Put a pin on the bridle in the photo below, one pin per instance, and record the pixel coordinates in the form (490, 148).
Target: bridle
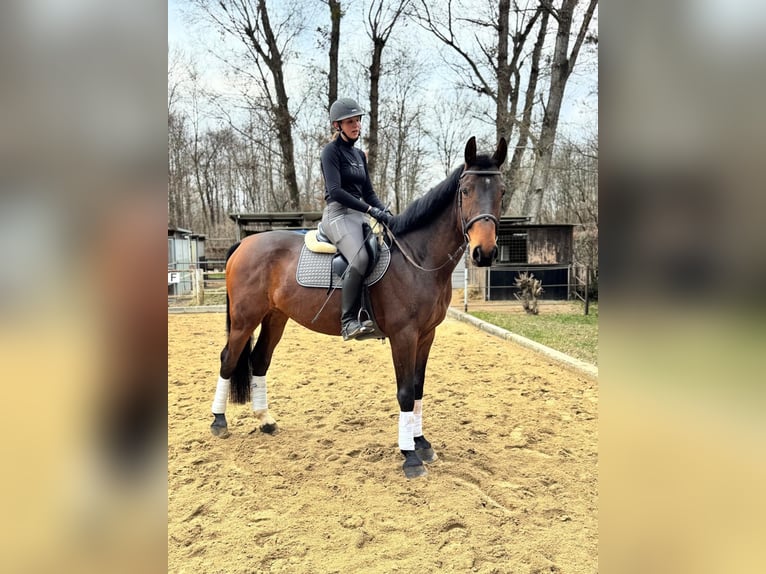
(466, 225)
(482, 216)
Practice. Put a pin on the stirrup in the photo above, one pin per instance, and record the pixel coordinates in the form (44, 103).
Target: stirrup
(367, 324)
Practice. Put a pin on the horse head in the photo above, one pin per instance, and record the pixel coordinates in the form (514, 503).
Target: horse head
(480, 196)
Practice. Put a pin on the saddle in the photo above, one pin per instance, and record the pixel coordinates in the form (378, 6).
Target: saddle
(321, 265)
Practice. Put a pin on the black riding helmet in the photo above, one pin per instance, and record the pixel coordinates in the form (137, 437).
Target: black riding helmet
(344, 108)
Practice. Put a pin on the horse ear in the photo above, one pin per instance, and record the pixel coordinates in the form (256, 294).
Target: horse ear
(470, 151)
(500, 152)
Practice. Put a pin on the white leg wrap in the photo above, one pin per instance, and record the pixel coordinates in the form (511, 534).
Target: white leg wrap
(417, 429)
(406, 438)
(221, 396)
(258, 393)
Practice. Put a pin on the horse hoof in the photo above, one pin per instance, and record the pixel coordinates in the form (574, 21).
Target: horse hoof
(270, 428)
(413, 466)
(423, 450)
(427, 455)
(219, 427)
(414, 471)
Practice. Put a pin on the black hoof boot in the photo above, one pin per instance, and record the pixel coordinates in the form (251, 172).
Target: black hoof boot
(413, 467)
(219, 427)
(423, 449)
(269, 428)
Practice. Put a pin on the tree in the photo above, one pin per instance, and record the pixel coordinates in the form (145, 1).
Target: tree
(381, 18)
(525, 124)
(573, 195)
(401, 140)
(562, 64)
(486, 63)
(448, 134)
(335, 15)
(266, 47)
(177, 141)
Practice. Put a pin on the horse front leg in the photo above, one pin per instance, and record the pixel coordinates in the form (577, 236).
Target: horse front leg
(422, 446)
(403, 350)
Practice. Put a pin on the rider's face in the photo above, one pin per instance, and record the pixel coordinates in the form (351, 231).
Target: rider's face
(351, 127)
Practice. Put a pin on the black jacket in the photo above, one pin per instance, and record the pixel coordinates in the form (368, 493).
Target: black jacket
(346, 178)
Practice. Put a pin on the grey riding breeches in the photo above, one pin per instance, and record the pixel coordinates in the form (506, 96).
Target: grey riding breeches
(344, 228)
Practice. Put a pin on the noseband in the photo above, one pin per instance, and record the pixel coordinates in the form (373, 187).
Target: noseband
(482, 216)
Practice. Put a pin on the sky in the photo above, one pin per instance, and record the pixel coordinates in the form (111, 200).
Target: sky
(579, 112)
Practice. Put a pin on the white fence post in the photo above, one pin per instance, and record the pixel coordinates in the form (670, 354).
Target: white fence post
(465, 285)
(199, 286)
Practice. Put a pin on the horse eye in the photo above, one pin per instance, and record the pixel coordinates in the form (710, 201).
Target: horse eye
(464, 190)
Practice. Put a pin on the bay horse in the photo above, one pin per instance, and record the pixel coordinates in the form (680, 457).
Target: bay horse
(409, 302)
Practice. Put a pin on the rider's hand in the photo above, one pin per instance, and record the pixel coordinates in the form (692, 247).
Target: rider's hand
(380, 215)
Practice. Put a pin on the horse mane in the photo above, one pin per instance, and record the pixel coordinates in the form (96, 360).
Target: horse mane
(421, 211)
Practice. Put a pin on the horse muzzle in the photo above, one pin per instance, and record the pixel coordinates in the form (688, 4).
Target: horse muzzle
(481, 234)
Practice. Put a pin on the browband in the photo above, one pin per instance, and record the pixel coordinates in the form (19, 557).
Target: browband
(479, 172)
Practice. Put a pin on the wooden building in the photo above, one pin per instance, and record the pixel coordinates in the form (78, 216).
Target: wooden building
(544, 250)
(186, 252)
(250, 223)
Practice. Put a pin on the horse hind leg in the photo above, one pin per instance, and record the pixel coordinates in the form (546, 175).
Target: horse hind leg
(272, 329)
(235, 369)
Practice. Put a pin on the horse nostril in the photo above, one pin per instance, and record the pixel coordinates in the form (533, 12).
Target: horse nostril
(476, 254)
(494, 253)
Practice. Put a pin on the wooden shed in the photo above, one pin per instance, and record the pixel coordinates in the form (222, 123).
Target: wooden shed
(250, 223)
(544, 250)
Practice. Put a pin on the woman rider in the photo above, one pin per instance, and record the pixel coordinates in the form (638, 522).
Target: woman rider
(349, 195)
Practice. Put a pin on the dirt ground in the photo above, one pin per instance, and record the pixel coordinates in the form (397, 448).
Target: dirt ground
(514, 489)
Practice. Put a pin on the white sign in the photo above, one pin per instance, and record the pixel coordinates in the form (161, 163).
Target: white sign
(172, 277)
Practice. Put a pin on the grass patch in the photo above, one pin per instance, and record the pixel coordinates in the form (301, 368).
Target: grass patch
(215, 297)
(569, 332)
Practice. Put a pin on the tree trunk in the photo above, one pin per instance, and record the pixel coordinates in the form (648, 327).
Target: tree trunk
(561, 68)
(372, 137)
(280, 109)
(525, 125)
(504, 122)
(335, 16)
(379, 32)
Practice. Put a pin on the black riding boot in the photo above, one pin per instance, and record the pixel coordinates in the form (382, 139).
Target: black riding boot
(351, 328)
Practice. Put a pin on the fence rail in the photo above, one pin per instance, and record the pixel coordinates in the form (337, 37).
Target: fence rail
(205, 283)
(190, 283)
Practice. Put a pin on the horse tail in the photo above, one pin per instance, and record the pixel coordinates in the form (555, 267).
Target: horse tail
(240, 378)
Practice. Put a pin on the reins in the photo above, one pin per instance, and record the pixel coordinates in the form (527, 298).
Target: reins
(450, 257)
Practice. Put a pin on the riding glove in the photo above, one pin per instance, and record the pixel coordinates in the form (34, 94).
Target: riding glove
(380, 215)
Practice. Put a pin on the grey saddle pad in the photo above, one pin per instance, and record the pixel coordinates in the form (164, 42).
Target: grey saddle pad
(314, 269)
